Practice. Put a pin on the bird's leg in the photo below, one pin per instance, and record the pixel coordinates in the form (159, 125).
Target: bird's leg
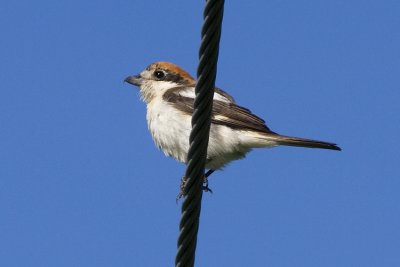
(205, 181)
(204, 186)
(208, 173)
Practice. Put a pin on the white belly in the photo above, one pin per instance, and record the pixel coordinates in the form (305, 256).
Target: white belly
(170, 129)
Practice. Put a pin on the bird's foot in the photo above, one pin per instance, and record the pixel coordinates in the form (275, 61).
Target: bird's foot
(181, 188)
(204, 186)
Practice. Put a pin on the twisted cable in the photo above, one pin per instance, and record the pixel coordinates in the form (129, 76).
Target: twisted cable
(201, 121)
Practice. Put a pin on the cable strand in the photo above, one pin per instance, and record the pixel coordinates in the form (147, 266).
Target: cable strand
(201, 121)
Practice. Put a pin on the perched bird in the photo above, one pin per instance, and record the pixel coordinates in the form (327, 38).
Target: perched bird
(168, 91)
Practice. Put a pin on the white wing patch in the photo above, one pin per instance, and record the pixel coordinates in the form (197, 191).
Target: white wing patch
(189, 92)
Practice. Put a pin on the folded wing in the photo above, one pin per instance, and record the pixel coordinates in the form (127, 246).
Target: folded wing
(224, 111)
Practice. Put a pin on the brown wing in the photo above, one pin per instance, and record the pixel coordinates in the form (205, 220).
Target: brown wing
(237, 117)
(223, 113)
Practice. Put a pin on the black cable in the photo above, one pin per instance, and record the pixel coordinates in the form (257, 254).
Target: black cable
(201, 120)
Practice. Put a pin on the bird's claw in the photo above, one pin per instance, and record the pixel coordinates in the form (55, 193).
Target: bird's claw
(205, 185)
(181, 188)
(181, 193)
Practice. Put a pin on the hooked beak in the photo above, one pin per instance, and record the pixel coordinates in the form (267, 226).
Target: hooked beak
(135, 80)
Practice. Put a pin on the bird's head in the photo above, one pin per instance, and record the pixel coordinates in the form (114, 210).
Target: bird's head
(159, 77)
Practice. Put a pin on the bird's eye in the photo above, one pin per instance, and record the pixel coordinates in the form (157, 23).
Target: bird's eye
(159, 74)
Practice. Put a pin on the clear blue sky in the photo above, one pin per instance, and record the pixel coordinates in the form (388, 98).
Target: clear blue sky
(82, 184)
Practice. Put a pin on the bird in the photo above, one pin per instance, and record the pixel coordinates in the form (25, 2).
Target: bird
(169, 91)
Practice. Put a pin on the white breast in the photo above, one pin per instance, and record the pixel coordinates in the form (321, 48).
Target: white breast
(169, 128)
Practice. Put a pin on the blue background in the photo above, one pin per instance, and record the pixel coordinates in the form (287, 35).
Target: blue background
(82, 184)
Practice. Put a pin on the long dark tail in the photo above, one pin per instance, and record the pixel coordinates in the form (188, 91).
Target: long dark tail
(303, 142)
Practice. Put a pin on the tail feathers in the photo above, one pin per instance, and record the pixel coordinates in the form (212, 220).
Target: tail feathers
(302, 142)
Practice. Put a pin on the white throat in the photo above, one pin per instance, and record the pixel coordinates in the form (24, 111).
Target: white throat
(150, 89)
